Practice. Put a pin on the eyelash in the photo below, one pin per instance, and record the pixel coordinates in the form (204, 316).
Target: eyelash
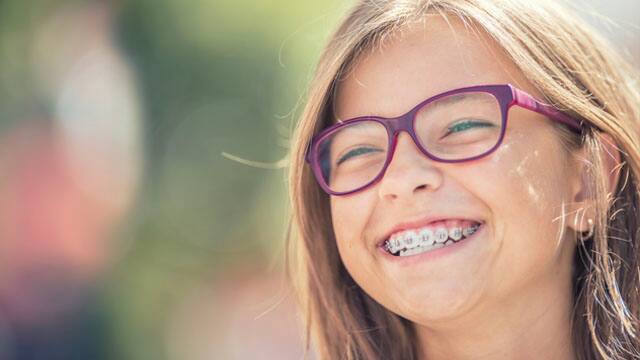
(355, 152)
(467, 124)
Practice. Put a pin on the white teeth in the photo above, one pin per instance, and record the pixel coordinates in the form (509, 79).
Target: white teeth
(414, 242)
(397, 244)
(411, 240)
(470, 230)
(410, 251)
(455, 233)
(427, 237)
(442, 234)
(389, 245)
(419, 250)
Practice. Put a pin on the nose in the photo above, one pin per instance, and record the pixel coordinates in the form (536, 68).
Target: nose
(410, 172)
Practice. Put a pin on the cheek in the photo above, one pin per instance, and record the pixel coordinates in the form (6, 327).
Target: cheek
(350, 215)
(536, 178)
(529, 186)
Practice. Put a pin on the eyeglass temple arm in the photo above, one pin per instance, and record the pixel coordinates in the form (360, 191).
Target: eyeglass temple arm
(527, 101)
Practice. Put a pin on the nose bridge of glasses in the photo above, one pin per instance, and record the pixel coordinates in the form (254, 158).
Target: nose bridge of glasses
(402, 122)
(399, 124)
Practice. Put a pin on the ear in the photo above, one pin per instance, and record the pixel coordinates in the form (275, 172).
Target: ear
(582, 209)
(611, 161)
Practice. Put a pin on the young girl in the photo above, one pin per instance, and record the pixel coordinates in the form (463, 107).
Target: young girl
(464, 182)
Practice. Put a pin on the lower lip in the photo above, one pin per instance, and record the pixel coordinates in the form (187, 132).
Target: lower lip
(431, 255)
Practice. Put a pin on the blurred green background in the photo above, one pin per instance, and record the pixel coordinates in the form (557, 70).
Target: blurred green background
(204, 78)
(218, 76)
(144, 97)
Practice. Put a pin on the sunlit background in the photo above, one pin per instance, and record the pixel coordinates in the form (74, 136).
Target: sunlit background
(143, 201)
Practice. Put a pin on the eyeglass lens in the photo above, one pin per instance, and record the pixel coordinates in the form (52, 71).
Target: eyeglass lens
(456, 127)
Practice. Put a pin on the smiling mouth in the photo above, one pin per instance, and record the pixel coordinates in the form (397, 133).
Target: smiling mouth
(434, 236)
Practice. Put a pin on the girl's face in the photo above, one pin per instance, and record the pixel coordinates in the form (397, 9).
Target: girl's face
(518, 193)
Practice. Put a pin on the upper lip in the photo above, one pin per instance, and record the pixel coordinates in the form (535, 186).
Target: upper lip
(415, 224)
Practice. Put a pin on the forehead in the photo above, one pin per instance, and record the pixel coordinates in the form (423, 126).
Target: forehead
(420, 60)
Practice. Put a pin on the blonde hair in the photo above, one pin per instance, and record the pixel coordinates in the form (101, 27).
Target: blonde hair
(576, 71)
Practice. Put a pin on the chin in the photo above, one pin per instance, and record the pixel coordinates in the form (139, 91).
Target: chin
(434, 305)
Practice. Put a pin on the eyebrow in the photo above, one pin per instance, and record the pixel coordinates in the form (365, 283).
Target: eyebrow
(440, 102)
(452, 99)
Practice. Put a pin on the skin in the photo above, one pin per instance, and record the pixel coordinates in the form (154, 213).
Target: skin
(506, 294)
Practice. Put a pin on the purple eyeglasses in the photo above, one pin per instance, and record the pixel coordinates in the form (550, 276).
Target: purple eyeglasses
(455, 126)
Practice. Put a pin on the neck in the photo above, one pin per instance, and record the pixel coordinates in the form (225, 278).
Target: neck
(535, 324)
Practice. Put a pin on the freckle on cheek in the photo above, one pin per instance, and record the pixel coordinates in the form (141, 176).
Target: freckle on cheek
(521, 174)
(533, 193)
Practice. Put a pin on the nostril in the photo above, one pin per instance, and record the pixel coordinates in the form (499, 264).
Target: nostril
(423, 186)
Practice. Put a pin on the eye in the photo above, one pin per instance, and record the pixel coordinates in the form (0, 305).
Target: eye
(466, 124)
(357, 152)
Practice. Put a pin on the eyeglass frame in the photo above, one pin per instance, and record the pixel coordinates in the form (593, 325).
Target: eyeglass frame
(507, 96)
